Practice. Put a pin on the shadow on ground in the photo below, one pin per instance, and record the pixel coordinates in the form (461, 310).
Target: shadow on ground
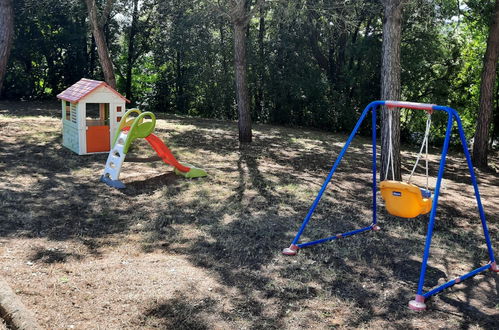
(247, 210)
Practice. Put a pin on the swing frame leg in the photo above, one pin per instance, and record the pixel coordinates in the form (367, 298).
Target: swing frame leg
(295, 246)
(418, 304)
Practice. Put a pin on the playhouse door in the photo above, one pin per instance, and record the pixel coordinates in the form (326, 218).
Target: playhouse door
(98, 136)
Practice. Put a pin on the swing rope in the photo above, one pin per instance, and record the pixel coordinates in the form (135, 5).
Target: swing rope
(424, 145)
(389, 161)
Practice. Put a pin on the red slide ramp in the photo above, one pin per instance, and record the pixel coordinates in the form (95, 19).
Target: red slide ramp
(165, 153)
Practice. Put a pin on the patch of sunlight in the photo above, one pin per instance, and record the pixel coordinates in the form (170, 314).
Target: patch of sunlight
(290, 187)
(177, 127)
(85, 171)
(227, 219)
(297, 191)
(297, 141)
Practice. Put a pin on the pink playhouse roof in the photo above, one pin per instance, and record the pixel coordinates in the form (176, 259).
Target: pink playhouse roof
(84, 87)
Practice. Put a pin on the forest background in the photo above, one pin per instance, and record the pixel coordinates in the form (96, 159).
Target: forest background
(313, 63)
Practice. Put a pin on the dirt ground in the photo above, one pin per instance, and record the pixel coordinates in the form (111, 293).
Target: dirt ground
(172, 253)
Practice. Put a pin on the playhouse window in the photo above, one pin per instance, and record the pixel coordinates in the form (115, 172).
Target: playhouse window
(67, 108)
(73, 112)
(118, 111)
(97, 114)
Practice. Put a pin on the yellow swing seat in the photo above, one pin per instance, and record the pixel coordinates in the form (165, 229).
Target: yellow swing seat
(404, 199)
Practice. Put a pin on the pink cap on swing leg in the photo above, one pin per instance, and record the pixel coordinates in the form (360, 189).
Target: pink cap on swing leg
(494, 267)
(292, 250)
(417, 304)
(375, 227)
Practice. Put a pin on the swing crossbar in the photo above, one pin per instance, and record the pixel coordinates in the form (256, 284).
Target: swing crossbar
(410, 105)
(453, 117)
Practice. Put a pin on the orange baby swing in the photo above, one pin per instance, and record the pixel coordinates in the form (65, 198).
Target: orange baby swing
(404, 199)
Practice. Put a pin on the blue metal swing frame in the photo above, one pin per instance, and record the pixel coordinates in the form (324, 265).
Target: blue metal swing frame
(453, 116)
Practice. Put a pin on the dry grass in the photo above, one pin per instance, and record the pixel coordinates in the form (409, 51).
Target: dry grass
(167, 252)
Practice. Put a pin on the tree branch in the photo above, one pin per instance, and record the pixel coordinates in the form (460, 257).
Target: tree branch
(106, 12)
(220, 9)
(239, 14)
(259, 4)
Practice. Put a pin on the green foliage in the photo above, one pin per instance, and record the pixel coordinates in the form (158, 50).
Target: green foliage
(49, 50)
(311, 62)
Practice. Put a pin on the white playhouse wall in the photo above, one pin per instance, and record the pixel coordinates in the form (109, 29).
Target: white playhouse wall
(70, 137)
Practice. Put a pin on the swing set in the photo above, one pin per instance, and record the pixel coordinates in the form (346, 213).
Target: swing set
(404, 199)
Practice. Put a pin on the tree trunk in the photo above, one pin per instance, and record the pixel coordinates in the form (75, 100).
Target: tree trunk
(82, 54)
(91, 61)
(242, 96)
(102, 49)
(390, 84)
(259, 102)
(131, 50)
(227, 100)
(179, 82)
(323, 62)
(495, 120)
(6, 36)
(480, 143)
(240, 20)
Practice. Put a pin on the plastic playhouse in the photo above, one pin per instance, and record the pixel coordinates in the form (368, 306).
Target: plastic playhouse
(133, 128)
(91, 111)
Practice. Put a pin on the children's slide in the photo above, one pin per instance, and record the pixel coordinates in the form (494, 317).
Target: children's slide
(164, 152)
(128, 131)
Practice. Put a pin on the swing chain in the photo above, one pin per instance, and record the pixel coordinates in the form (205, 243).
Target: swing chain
(423, 145)
(389, 161)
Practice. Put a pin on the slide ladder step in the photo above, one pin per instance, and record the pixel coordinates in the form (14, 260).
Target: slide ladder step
(114, 163)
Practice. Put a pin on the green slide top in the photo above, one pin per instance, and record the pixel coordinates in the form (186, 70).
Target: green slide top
(125, 122)
(138, 129)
